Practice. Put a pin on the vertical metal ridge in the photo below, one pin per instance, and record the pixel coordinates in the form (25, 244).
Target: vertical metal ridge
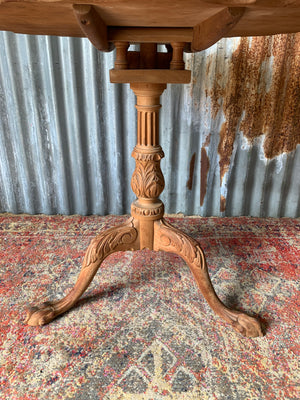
(94, 193)
(38, 171)
(290, 198)
(72, 126)
(52, 126)
(20, 172)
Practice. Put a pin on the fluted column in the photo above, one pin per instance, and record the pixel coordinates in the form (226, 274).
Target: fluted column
(147, 180)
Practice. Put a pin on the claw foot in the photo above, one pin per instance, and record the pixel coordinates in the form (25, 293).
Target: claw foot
(40, 315)
(247, 326)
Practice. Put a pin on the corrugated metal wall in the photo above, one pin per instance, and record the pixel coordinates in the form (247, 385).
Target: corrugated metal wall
(231, 137)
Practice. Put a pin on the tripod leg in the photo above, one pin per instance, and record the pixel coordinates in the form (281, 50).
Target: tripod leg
(170, 239)
(120, 238)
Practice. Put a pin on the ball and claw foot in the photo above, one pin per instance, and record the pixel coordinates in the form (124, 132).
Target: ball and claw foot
(120, 238)
(246, 325)
(40, 315)
(167, 238)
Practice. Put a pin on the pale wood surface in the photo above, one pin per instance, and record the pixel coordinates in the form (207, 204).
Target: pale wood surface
(152, 76)
(146, 228)
(56, 17)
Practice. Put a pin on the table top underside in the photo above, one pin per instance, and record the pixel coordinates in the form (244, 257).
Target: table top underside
(56, 17)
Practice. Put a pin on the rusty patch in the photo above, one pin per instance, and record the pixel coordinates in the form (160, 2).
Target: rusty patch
(207, 141)
(203, 174)
(222, 203)
(261, 96)
(225, 148)
(189, 183)
(277, 112)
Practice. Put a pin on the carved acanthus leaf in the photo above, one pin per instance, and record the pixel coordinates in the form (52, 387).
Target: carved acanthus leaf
(172, 240)
(107, 242)
(147, 179)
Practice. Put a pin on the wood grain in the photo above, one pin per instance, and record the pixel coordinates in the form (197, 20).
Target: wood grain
(151, 76)
(215, 28)
(93, 26)
(263, 17)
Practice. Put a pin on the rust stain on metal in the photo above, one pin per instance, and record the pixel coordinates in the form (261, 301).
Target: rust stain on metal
(189, 183)
(277, 112)
(203, 174)
(207, 141)
(227, 136)
(222, 203)
(261, 96)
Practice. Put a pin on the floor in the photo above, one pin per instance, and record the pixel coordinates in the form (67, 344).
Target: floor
(142, 330)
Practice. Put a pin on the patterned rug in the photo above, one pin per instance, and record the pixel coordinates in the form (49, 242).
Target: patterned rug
(142, 330)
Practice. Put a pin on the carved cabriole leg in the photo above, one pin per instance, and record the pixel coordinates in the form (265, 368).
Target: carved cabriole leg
(170, 239)
(120, 238)
(146, 228)
(154, 233)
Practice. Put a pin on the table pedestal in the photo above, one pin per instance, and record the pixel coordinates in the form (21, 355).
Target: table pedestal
(146, 228)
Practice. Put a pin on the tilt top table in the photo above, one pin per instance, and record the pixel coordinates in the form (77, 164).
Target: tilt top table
(183, 26)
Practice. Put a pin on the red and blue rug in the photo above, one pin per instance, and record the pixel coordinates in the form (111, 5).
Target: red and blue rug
(142, 330)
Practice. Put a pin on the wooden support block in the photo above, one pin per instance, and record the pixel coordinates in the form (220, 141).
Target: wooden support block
(214, 28)
(148, 55)
(162, 60)
(92, 26)
(150, 35)
(150, 76)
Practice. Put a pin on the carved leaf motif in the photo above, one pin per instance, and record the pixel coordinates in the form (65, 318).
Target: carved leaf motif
(173, 240)
(147, 180)
(106, 242)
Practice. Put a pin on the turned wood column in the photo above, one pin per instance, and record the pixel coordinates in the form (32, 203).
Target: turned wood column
(147, 180)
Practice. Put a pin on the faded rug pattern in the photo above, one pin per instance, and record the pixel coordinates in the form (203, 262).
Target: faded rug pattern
(142, 330)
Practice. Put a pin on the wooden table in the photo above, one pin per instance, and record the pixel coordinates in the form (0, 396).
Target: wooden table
(183, 26)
